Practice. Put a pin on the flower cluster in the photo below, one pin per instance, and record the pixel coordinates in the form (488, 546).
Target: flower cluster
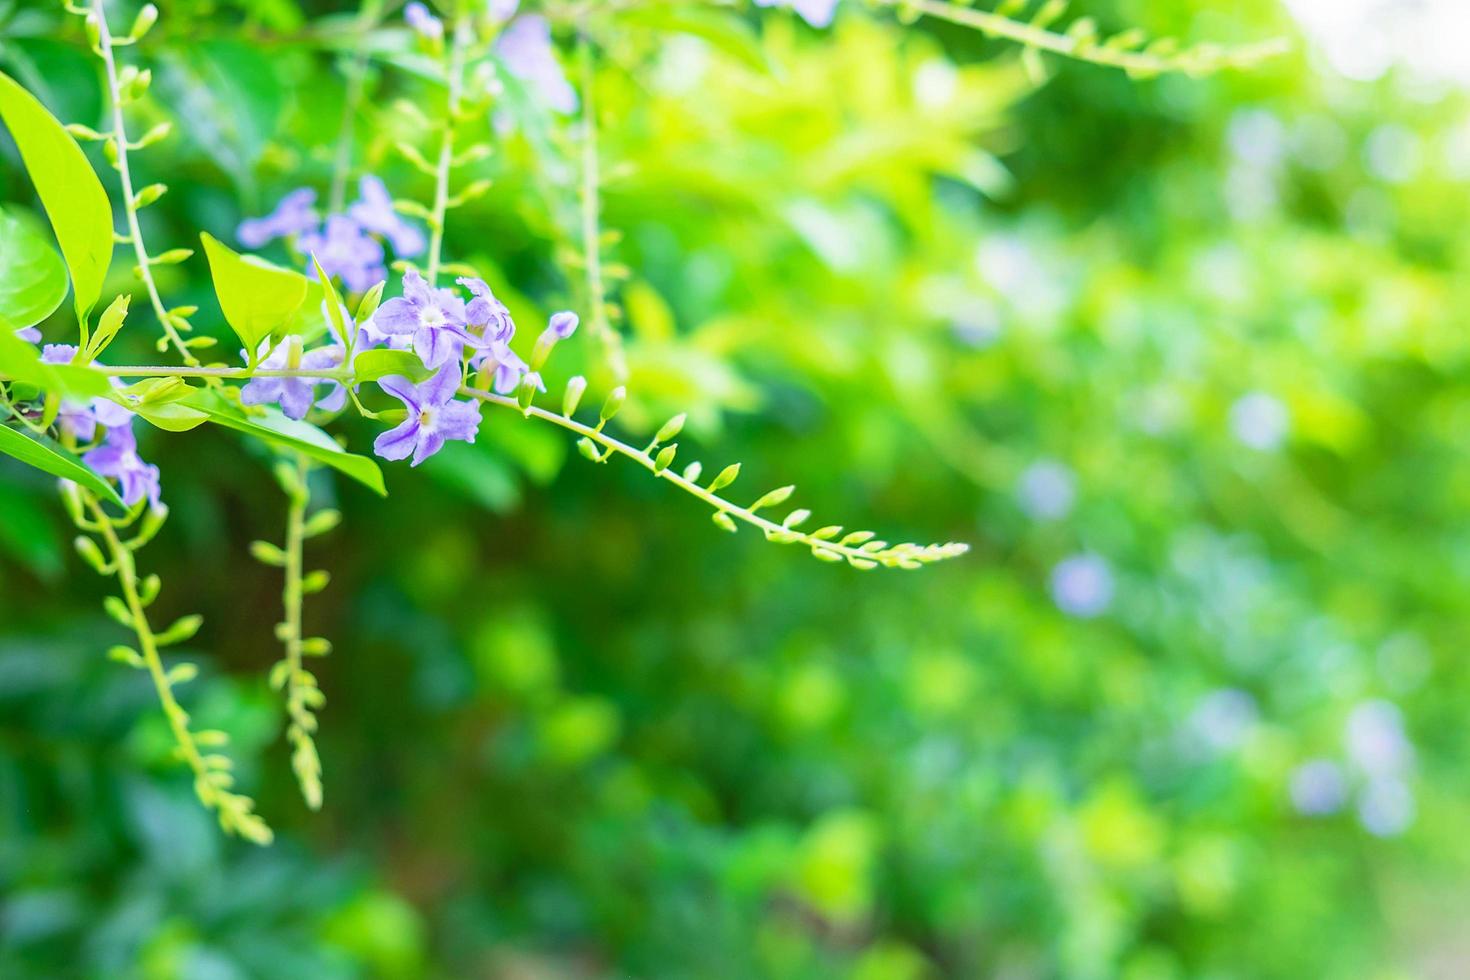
(115, 455)
(348, 246)
(448, 334)
(1380, 763)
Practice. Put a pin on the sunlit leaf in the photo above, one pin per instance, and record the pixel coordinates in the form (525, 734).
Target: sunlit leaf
(80, 212)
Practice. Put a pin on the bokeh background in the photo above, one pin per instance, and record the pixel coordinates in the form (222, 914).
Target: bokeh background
(1184, 359)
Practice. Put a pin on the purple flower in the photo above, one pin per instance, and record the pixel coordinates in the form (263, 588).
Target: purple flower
(293, 216)
(29, 334)
(817, 13)
(77, 419)
(561, 326)
(490, 319)
(118, 458)
(1047, 490)
(1082, 586)
(1318, 788)
(433, 416)
(502, 10)
(296, 396)
(1375, 739)
(1386, 806)
(1223, 719)
(373, 211)
(423, 22)
(526, 50)
(434, 317)
(345, 251)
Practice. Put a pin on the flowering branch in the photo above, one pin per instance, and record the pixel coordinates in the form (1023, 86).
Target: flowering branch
(1082, 42)
(860, 549)
(212, 777)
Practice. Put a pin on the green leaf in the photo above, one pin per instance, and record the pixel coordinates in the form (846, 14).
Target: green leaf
(32, 275)
(19, 361)
(336, 317)
(80, 212)
(304, 437)
(255, 296)
(371, 365)
(47, 456)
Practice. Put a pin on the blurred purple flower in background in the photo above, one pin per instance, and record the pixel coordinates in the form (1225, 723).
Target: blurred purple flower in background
(29, 334)
(373, 211)
(346, 252)
(526, 49)
(433, 416)
(1386, 806)
(424, 23)
(1082, 585)
(1222, 719)
(1259, 421)
(1047, 490)
(293, 216)
(1375, 740)
(1318, 788)
(817, 13)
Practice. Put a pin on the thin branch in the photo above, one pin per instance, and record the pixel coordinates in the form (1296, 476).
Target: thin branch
(120, 140)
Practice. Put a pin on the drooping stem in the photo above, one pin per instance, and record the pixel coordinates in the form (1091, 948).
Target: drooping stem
(458, 44)
(233, 809)
(591, 212)
(1087, 48)
(130, 208)
(304, 758)
(772, 529)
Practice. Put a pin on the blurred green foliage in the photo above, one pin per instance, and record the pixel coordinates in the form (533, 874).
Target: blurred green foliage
(573, 730)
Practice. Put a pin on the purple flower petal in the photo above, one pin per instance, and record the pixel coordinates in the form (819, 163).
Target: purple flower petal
(440, 388)
(398, 442)
(403, 390)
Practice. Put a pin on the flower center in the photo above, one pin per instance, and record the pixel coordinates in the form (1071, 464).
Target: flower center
(426, 418)
(432, 316)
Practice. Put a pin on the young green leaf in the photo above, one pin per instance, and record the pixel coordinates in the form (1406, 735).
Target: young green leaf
(32, 275)
(381, 362)
(45, 455)
(255, 296)
(80, 212)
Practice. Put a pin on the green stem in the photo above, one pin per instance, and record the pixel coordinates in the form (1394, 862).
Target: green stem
(644, 459)
(455, 67)
(135, 230)
(233, 809)
(861, 552)
(591, 208)
(304, 759)
(241, 373)
(356, 72)
(1135, 62)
